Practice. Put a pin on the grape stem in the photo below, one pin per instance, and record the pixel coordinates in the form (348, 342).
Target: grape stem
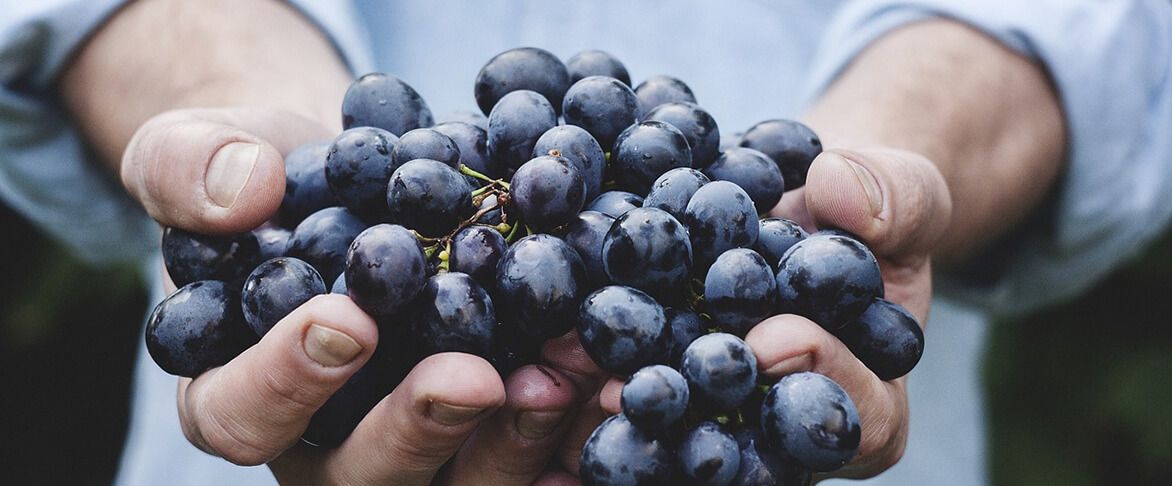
(470, 172)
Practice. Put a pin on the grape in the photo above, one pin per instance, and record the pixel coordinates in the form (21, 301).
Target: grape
(473, 144)
(602, 105)
(429, 196)
(580, 148)
(790, 144)
(196, 328)
(739, 291)
(358, 167)
(339, 286)
(425, 143)
(648, 249)
(386, 102)
(886, 338)
(540, 281)
(828, 279)
(777, 235)
(720, 216)
(474, 118)
(306, 188)
(657, 90)
(585, 234)
(761, 466)
(754, 172)
(548, 192)
(454, 313)
(275, 289)
(672, 190)
(476, 251)
(686, 326)
(721, 371)
(512, 349)
(654, 398)
(385, 269)
(495, 214)
(322, 239)
(645, 151)
(808, 418)
(191, 257)
(709, 455)
(272, 241)
(697, 126)
(623, 329)
(525, 68)
(615, 203)
(514, 126)
(596, 63)
(618, 454)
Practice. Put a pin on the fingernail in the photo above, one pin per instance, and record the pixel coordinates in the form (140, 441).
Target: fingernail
(329, 347)
(453, 414)
(229, 170)
(868, 182)
(538, 425)
(801, 362)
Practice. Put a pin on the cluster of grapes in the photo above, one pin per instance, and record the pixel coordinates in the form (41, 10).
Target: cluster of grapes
(578, 202)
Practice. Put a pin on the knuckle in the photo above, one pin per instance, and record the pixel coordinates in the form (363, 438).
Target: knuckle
(235, 442)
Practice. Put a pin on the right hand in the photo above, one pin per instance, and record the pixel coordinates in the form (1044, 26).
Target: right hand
(451, 409)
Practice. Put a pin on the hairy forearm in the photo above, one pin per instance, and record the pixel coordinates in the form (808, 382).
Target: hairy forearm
(158, 55)
(987, 117)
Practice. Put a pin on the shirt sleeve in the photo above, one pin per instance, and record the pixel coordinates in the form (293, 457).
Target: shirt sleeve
(47, 172)
(1110, 65)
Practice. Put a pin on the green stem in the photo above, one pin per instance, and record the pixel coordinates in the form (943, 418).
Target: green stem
(512, 236)
(468, 171)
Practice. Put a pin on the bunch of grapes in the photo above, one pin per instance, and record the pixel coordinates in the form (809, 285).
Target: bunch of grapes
(574, 203)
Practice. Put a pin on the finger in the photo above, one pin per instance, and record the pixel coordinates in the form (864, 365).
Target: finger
(513, 446)
(589, 415)
(412, 432)
(793, 207)
(213, 171)
(611, 396)
(789, 344)
(557, 478)
(256, 406)
(567, 355)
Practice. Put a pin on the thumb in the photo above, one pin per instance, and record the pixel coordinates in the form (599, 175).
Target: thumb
(213, 171)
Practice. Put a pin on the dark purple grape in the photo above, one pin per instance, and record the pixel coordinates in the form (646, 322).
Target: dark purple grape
(623, 329)
(385, 269)
(761, 466)
(273, 241)
(738, 290)
(191, 257)
(547, 192)
(828, 279)
(358, 167)
(196, 328)
(686, 326)
(473, 144)
(306, 188)
(697, 126)
(540, 282)
(776, 237)
(596, 63)
(386, 102)
(672, 190)
(579, 147)
(585, 234)
(323, 238)
(495, 213)
(654, 398)
(618, 454)
(615, 203)
(791, 145)
(425, 143)
(275, 289)
(648, 249)
(454, 313)
(514, 126)
(646, 151)
(719, 217)
(808, 418)
(470, 117)
(512, 349)
(524, 68)
(476, 250)
(754, 172)
(887, 338)
(709, 456)
(337, 418)
(602, 105)
(721, 371)
(657, 90)
(429, 197)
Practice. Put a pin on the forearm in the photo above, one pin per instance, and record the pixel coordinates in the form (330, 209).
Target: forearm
(987, 117)
(155, 56)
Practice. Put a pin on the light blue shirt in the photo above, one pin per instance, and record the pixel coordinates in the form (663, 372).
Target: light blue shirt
(746, 61)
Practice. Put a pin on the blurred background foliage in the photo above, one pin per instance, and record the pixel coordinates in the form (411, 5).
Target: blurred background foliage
(1080, 394)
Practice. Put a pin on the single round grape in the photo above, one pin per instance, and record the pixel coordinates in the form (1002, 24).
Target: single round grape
(657, 90)
(428, 196)
(672, 190)
(191, 257)
(603, 106)
(808, 418)
(618, 454)
(686, 326)
(525, 68)
(776, 237)
(473, 144)
(454, 313)
(385, 269)
(514, 126)
(709, 456)
(887, 338)
(548, 192)
(623, 329)
(721, 371)
(540, 282)
(323, 238)
(648, 249)
(739, 291)
(275, 289)
(646, 151)
(761, 466)
(273, 241)
(754, 172)
(585, 234)
(306, 188)
(790, 144)
(196, 328)
(720, 216)
(615, 203)
(386, 102)
(425, 143)
(512, 349)
(476, 250)
(654, 398)
(358, 167)
(829, 279)
(596, 63)
(580, 148)
(474, 118)
(697, 126)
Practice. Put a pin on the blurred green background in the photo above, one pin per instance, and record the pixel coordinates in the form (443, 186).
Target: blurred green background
(1080, 394)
